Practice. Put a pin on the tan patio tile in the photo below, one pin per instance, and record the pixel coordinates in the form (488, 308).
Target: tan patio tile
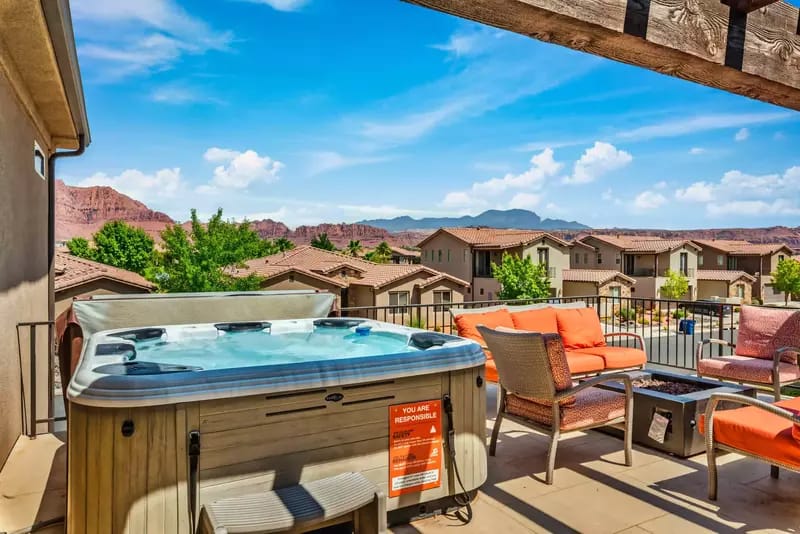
(669, 524)
(633, 530)
(597, 508)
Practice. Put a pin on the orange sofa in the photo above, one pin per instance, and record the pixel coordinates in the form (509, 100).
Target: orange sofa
(587, 348)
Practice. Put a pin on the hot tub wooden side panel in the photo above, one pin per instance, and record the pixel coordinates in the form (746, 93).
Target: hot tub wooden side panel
(127, 484)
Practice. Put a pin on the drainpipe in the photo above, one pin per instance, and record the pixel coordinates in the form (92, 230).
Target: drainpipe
(51, 224)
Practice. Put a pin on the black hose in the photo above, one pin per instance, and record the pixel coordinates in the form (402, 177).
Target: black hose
(462, 500)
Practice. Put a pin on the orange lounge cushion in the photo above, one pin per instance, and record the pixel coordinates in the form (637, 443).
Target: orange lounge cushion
(542, 320)
(491, 370)
(467, 324)
(617, 357)
(759, 432)
(584, 363)
(591, 406)
(762, 331)
(746, 369)
(796, 431)
(580, 328)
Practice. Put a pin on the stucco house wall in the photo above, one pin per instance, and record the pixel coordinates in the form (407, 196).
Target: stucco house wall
(711, 288)
(23, 255)
(458, 262)
(609, 255)
(559, 260)
(579, 289)
(298, 281)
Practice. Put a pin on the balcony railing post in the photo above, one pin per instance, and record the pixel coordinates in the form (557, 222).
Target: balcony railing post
(32, 383)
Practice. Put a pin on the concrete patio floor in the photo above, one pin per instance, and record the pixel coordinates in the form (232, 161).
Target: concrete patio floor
(593, 491)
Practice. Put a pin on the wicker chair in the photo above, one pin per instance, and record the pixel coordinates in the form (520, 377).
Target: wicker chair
(536, 390)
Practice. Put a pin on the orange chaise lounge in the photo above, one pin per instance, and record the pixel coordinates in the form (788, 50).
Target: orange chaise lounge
(587, 348)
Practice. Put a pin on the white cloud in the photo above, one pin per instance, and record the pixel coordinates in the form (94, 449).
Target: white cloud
(742, 135)
(660, 185)
(462, 199)
(696, 192)
(241, 169)
(648, 200)
(179, 95)
(696, 151)
(767, 194)
(597, 161)
(139, 185)
(472, 42)
(282, 5)
(326, 161)
(121, 39)
(700, 123)
(525, 201)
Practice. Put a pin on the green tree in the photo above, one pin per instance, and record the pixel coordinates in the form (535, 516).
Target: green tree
(520, 278)
(79, 246)
(354, 248)
(282, 244)
(382, 253)
(322, 241)
(676, 285)
(121, 245)
(786, 278)
(207, 257)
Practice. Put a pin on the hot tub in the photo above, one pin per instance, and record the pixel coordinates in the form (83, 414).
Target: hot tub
(164, 418)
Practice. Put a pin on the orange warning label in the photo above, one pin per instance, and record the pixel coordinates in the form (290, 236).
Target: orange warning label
(415, 447)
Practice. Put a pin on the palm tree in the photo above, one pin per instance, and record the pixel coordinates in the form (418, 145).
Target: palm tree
(322, 241)
(382, 253)
(354, 248)
(283, 244)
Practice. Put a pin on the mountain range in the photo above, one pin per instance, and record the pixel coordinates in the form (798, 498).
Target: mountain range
(514, 218)
(81, 211)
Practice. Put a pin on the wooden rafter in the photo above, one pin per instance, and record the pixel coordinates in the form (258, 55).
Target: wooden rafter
(751, 48)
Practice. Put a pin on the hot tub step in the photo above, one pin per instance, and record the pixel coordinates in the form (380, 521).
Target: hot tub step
(300, 508)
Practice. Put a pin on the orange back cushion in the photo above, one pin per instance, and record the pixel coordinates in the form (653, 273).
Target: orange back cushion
(542, 320)
(580, 328)
(467, 323)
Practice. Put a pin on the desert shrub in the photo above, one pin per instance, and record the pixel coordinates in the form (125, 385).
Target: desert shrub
(679, 314)
(627, 314)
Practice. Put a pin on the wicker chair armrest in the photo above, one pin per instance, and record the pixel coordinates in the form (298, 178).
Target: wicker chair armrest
(712, 341)
(716, 398)
(638, 337)
(613, 377)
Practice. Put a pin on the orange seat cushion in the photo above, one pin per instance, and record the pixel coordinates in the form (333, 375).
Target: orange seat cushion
(467, 324)
(758, 432)
(580, 328)
(747, 369)
(542, 320)
(491, 369)
(584, 363)
(617, 357)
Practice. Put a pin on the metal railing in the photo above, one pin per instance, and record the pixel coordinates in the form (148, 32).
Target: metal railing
(30, 405)
(668, 339)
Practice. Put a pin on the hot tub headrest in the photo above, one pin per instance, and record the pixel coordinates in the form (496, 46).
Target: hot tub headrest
(426, 340)
(338, 322)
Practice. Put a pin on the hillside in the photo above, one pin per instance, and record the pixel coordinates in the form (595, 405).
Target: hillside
(515, 218)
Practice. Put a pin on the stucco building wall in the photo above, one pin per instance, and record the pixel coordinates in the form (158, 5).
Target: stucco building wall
(297, 281)
(23, 257)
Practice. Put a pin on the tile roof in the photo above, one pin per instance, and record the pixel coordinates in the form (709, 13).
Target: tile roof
(320, 263)
(723, 276)
(598, 276)
(406, 252)
(643, 244)
(742, 248)
(496, 237)
(73, 271)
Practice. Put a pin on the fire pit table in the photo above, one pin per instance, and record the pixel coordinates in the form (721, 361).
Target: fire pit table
(681, 399)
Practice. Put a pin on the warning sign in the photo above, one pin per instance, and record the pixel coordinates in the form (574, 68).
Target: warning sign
(415, 447)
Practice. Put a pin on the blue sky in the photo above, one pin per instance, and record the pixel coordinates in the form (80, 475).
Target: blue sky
(340, 110)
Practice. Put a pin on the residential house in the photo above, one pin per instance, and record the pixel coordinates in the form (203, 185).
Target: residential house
(644, 259)
(79, 277)
(357, 282)
(404, 256)
(712, 283)
(600, 282)
(41, 111)
(757, 260)
(468, 254)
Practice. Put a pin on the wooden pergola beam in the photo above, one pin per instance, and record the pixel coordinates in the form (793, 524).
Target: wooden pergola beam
(755, 53)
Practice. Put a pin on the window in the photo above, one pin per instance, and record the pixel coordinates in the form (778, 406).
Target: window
(740, 290)
(398, 298)
(483, 264)
(544, 256)
(700, 260)
(586, 258)
(684, 263)
(440, 255)
(732, 264)
(448, 255)
(781, 257)
(465, 255)
(599, 258)
(577, 259)
(443, 298)
(614, 291)
(38, 159)
(720, 260)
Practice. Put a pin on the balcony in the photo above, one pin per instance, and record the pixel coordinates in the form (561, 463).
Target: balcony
(651, 273)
